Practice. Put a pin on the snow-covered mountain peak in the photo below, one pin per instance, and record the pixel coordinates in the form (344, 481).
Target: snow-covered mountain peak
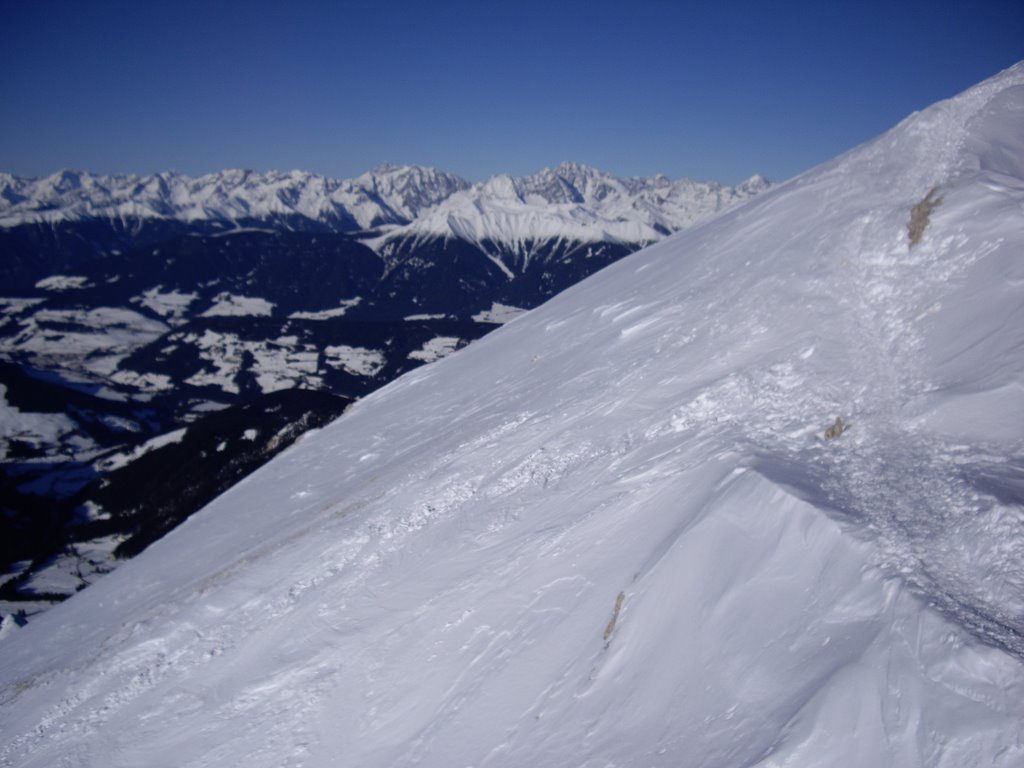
(502, 187)
(613, 532)
(411, 189)
(576, 202)
(64, 181)
(591, 183)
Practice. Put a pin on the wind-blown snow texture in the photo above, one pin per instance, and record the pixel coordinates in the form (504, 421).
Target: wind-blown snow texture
(610, 534)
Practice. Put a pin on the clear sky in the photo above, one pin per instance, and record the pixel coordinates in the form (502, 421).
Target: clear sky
(705, 90)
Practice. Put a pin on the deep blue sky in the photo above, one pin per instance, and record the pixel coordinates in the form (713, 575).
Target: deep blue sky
(706, 90)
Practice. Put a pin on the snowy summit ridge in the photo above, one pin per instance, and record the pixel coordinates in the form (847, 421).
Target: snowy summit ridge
(571, 201)
(611, 532)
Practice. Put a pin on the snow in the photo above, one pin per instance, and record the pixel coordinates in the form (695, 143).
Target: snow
(11, 306)
(359, 361)
(221, 377)
(148, 383)
(46, 429)
(327, 314)
(62, 283)
(79, 565)
(281, 363)
(435, 348)
(206, 406)
(168, 304)
(228, 305)
(119, 460)
(611, 532)
(94, 340)
(499, 313)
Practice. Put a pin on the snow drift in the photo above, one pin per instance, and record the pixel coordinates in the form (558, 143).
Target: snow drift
(610, 533)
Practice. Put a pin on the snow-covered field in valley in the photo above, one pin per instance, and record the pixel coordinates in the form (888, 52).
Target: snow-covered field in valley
(612, 533)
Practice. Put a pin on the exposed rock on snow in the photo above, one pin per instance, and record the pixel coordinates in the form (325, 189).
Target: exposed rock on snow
(920, 215)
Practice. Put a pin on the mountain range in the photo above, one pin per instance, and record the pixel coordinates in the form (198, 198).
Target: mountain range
(571, 201)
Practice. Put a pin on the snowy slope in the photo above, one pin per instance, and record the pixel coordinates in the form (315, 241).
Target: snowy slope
(610, 534)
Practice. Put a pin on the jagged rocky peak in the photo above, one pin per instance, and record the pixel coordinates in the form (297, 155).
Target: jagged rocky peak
(157, 185)
(65, 180)
(592, 183)
(553, 186)
(410, 189)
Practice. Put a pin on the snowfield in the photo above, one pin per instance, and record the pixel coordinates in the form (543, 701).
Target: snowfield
(35, 428)
(227, 305)
(280, 363)
(611, 533)
(99, 339)
(435, 349)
